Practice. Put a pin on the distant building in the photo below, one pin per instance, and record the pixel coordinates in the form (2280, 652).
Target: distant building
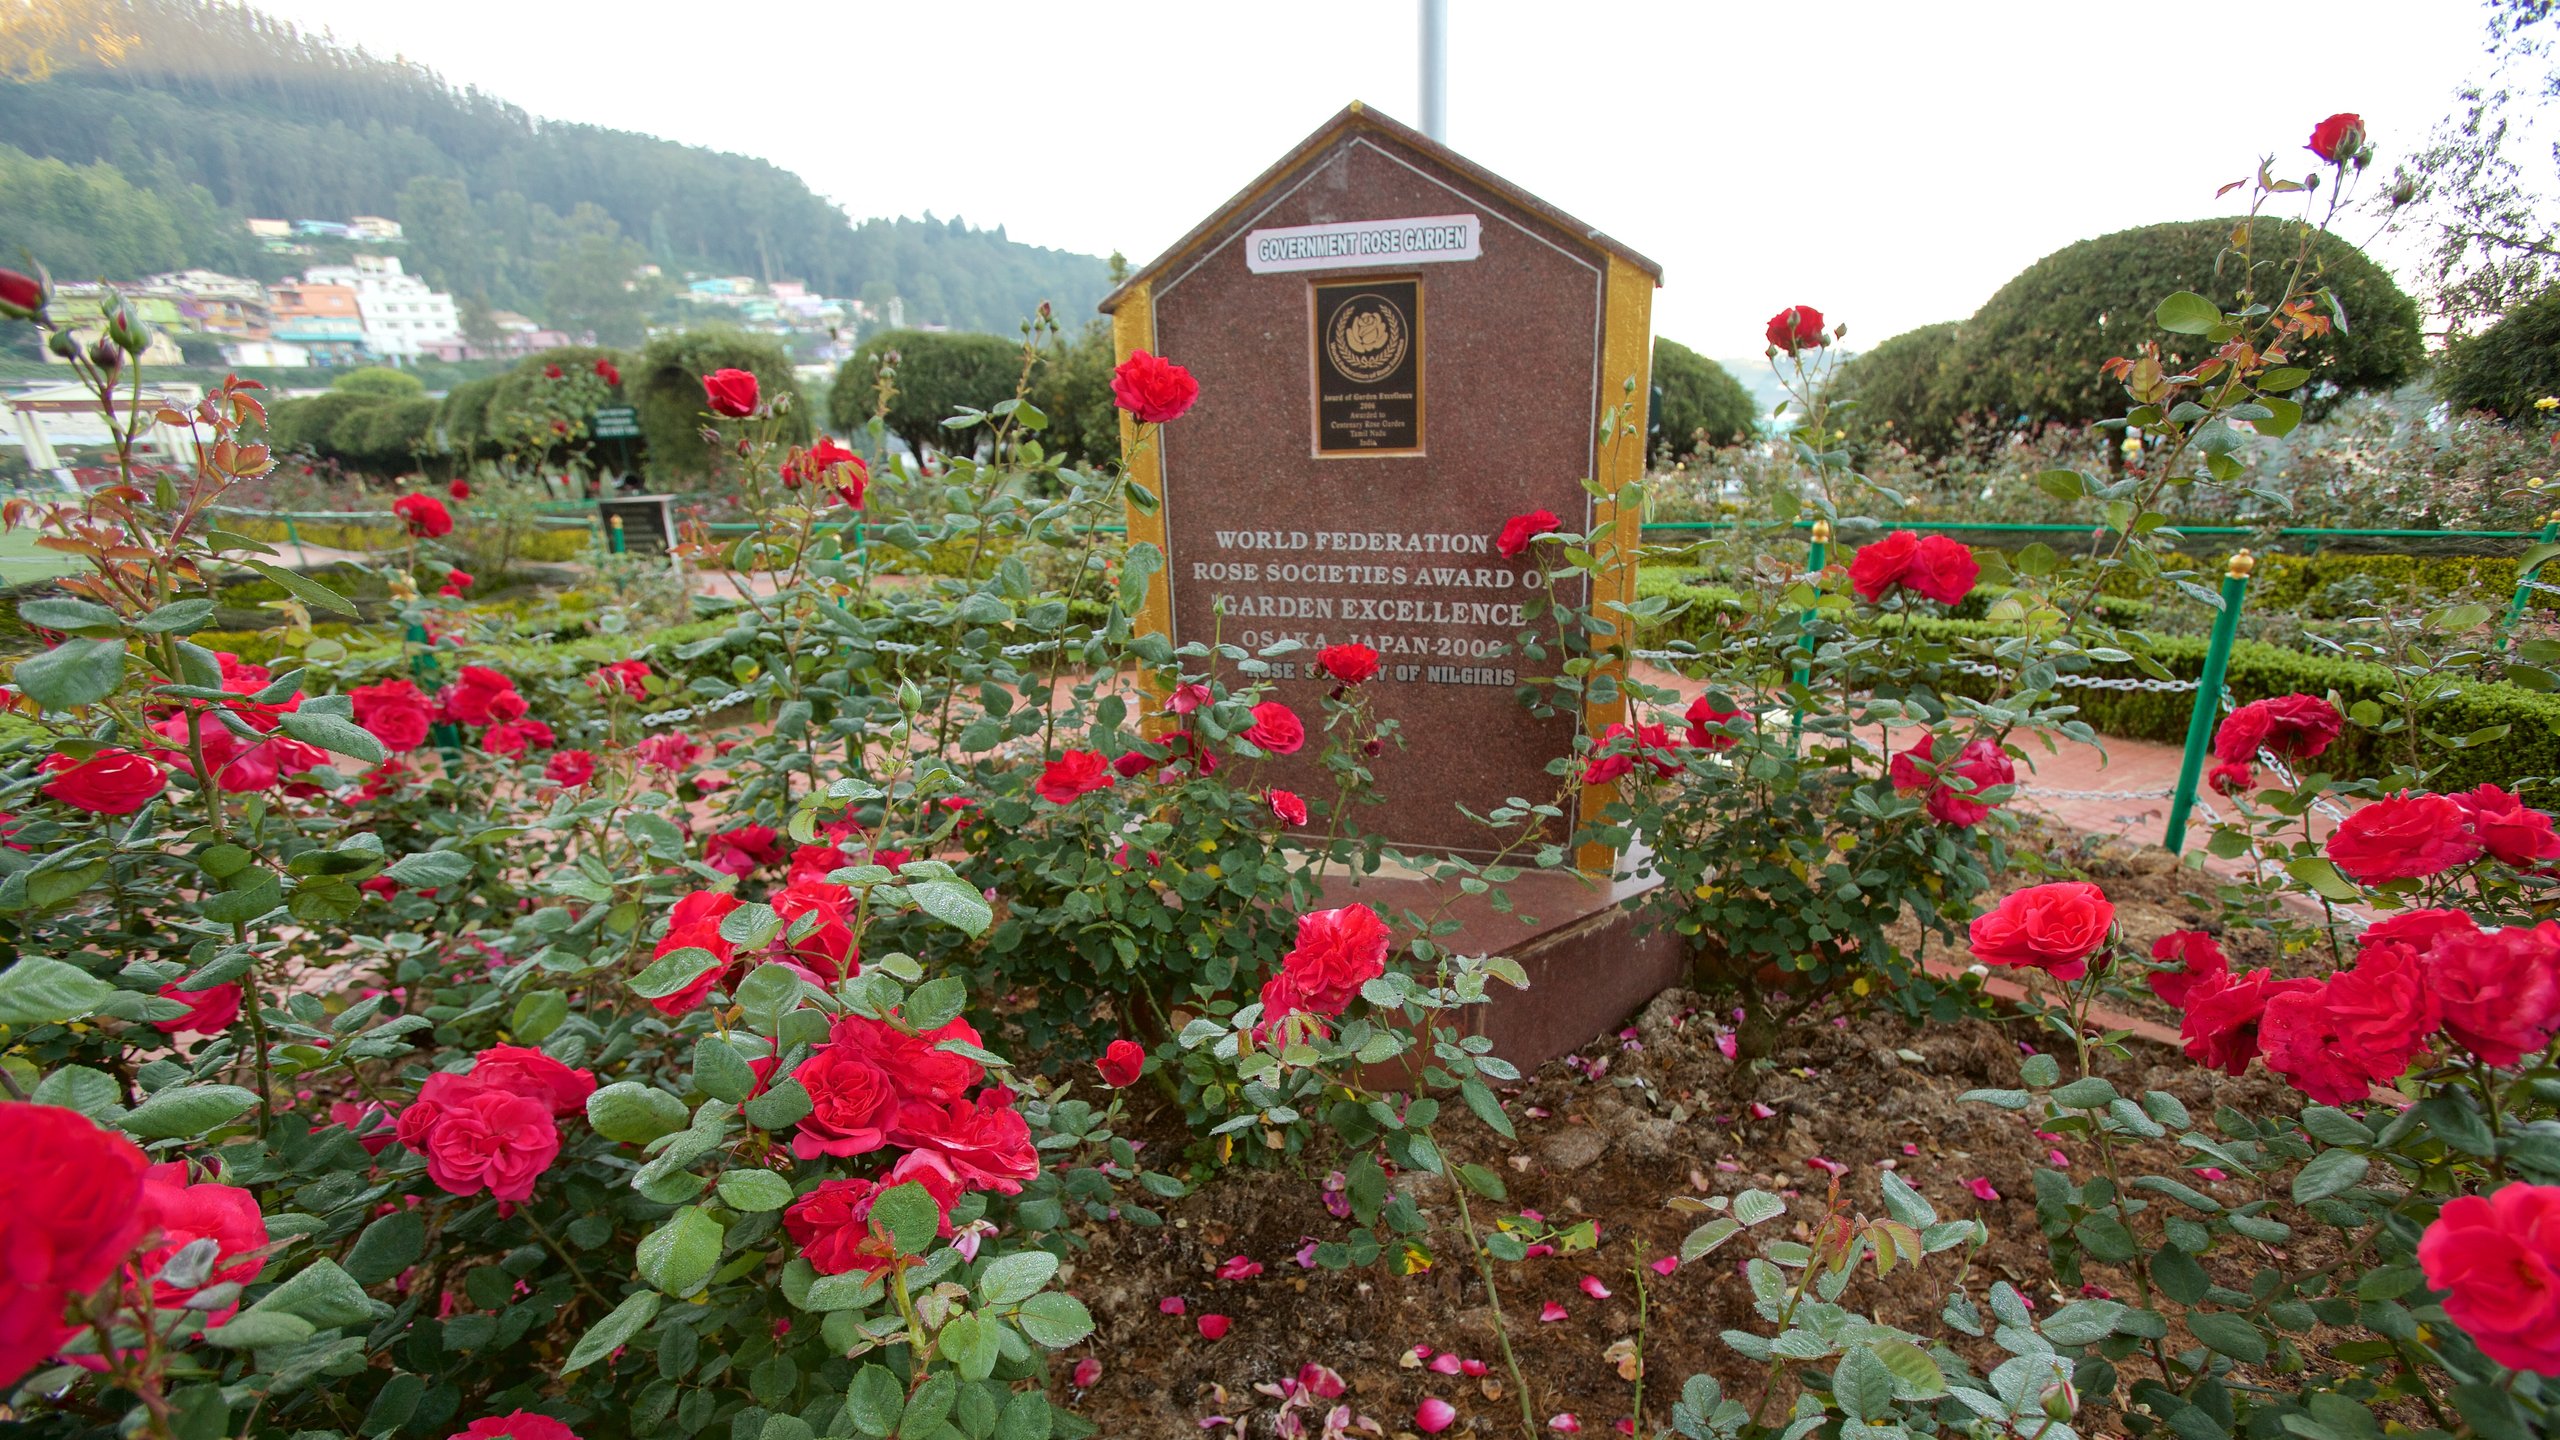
(372, 228)
(324, 320)
(161, 351)
(209, 284)
(402, 317)
(268, 354)
(271, 229)
(321, 229)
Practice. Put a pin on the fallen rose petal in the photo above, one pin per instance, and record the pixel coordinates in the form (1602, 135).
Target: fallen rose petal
(1412, 1359)
(1306, 1256)
(1172, 1305)
(1214, 1327)
(1981, 1188)
(1564, 1424)
(1668, 1264)
(1828, 1167)
(1238, 1267)
(2208, 1172)
(1088, 1370)
(1444, 1363)
(2057, 1160)
(1592, 1287)
(1551, 1313)
(1474, 1368)
(1434, 1415)
(1762, 1112)
(1910, 1149)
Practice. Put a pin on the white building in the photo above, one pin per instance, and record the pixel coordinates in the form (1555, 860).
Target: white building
(268, 355)
(373, 228)
(402, 317)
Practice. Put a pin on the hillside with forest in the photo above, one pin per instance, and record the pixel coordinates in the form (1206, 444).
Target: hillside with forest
(174, 120)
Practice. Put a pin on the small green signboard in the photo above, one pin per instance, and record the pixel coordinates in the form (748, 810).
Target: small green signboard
(615, 422)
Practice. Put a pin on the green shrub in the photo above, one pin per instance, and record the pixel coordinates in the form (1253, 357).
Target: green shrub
(1906, 391)
(939, 374)
(1696, 398)
(665, 384)
(2509, 366)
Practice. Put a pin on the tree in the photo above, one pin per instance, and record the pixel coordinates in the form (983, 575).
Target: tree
(1696, 402)
(380, 380)
(589, 289)
(2031, 353)
(2485, 191)
(665, 385)
(2509, 366)
(1072, 386)
(1905, 392)
(939, 373)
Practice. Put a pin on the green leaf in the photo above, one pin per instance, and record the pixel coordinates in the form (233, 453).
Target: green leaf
(1055, 1319)
(1487, 1108)
(613, 1331)
(2289, 377)
(431, 869)
(1137, 568)
(337, 736)
(719, 1071)
(261, 1331)
(679, 1256)
(767, 994)
(673, 971)
(38, 991)
(72, 674)
(780, 1106)
(2187, 313)
(633, 1113)
(2227, 1334)
(1862, 1384)
(1707, 1237)
(927, 1408)
(754, 1190)
(2323, 877)
(537, 1014)
(954, 904)
(2039, 1071)
(63, 613)
(388, 1246)
(935, 1003)
(1753, 1207)
(970, 1342)
(178, 617)
(307, 590)
(907, 1217)
(875, 1401)
(186, 1111)
(77, 1087)
(2329, 1172)
(1019, 1276)
(1915, 1375)
(1026, 1416)
(2082, 1322)
(323, 1294)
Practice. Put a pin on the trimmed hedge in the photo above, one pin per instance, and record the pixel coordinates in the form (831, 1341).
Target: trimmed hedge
(2531, 746)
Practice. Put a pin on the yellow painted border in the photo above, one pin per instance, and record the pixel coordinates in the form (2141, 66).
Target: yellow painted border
(1626, 352)
(1133, 328)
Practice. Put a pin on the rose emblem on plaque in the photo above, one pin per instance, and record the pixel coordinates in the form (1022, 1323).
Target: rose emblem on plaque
(1367, 339)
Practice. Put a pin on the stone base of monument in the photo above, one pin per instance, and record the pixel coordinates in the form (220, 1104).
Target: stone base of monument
(1591, 964)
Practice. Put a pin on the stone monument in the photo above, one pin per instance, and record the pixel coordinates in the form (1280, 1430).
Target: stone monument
(1398, 351)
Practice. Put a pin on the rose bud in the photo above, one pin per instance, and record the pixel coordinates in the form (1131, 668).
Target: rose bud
(104, 354)
(22, 297)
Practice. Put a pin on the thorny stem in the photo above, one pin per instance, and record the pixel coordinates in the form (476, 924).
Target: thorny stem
(1493, 1301)
(576, 1274)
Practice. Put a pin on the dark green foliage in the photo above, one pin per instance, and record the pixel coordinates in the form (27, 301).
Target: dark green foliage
(379, 380)
(93, 221)
(1073, 388)
(1695, 398)
(939, 373)
(1905, 392)
(665, 383)
(2509, 366)
(2031, 353)
(274, 123)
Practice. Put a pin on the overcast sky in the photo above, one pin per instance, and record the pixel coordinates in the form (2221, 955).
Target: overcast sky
(1890, 163)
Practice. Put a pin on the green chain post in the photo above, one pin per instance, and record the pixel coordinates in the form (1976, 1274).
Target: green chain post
(1817, 558)
(2208, 707)
(613, 533)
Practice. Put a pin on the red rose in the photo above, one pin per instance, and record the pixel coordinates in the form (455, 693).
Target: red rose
(694, 924)
(1131, 764)
(209, 1011)
(1121, 1063)
(2294, 727)
(827, 948)
(570, 768)
(552, 372)
(2497, 1258)
(2054, 928)
(2231, 779)
(1153, 389)
(1287, 807)
(1651, 744)
(1879, 564)
(530, 1073)
(2199, 959)
(475, 1136)
(986, 1142)
(1276, 728)
(919, 1069)
(518, 1425)
(835, 465)
(1520, 530)
(2338, 138)
(2357, 1029)
(114, 781)
(742, 849)
(851, 1103)
(455, 582)
(375, 1137)
(814, 863)
(2498, 990)
(2223, 1013)
(2506, 829)
(1187, 698)
(1798, 327)
(1077, 772)
(481, 696)
(21, 296)
(631, 677)
(832, 1227)
(425, 516)
(1982, 763)
(669, 752)
(77, 1214)
(1338, 951)
(2403, 837)
(458, 488)
(394, 712)
(2420, 930)
(608, 372)
(1711, 725)
(514, 737)
(731, 393)
(184, 1213)
(1348, 664)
